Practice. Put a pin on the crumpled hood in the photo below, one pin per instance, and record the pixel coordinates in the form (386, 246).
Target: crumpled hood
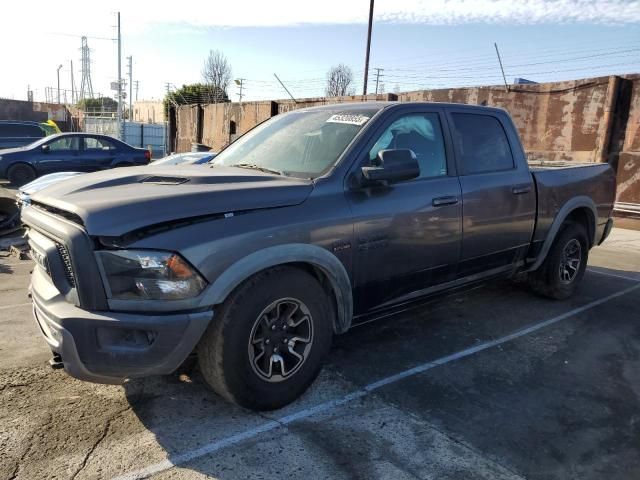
(115, 202)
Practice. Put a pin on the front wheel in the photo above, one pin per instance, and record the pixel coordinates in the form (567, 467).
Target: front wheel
(21, 174)
(561, 272)
(267, 342)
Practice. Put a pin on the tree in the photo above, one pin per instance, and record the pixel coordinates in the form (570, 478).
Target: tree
(102, 104)
(338, 80)
(216, 73)
(192, 94)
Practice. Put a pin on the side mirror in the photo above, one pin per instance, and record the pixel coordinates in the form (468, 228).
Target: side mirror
(105, 149)
(45, 148)
(393, 166)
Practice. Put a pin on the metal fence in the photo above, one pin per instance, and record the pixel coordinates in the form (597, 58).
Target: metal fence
(101, 125)
(143, 135)
(147, 135)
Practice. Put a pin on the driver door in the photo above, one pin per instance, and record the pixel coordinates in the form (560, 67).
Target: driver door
(63, 154)
(407, 235)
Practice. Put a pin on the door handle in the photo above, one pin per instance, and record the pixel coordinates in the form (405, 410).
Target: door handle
(521, 189)
(442, 201)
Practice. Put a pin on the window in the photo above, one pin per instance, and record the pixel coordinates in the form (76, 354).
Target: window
(64, 143)
(92, 143)
(301, 144)
(481, 143)
(21, 130)
(420, 133)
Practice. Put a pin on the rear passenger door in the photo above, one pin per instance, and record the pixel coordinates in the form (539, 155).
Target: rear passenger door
(98, 154)
(498, 194)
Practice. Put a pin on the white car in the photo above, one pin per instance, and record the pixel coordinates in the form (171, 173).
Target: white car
(25, 191)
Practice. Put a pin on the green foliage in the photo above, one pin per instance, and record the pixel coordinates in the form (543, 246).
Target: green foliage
(195, 93)
(106, 104)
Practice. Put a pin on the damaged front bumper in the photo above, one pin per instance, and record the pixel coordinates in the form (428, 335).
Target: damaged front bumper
(108, 347)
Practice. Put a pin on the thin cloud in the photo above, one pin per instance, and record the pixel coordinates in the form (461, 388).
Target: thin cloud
(428, 12)
(72, 15)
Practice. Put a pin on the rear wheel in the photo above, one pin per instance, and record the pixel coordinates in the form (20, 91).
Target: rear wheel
(268, 341)
(21, 174)
(561, 272)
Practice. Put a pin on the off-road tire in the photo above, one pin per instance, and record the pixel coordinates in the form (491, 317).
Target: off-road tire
(20, 174)
(546, 280)
(223, 354)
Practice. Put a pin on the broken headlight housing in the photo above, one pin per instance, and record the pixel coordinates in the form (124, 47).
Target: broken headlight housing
(149, 275)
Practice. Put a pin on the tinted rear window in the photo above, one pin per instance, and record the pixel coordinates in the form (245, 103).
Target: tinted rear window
(20, 130)
(481, 143)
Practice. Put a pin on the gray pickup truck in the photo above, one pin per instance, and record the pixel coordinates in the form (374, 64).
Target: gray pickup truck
(313, 221)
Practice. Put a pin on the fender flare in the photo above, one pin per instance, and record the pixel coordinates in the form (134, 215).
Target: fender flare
(573, 204)
(268, 257)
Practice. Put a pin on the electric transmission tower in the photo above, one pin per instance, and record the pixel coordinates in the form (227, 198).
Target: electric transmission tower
(86, 89)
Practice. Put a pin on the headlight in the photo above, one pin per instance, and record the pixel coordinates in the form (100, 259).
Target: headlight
(149, 275)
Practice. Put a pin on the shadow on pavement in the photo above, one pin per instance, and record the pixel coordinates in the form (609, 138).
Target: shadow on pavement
(184, 415)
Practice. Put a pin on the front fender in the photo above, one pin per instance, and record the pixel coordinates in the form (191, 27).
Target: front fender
(316, 256)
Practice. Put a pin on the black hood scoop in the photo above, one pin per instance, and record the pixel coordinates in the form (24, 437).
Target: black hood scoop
(162, 180)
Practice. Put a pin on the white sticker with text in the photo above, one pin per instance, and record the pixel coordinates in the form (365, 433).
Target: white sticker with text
(348, 118)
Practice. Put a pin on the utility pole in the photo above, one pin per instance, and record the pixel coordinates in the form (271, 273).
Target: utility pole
(240, 83)
(506, 85)
(137, 86)
(130, 58)
(287, 90)
(58, 72)
(366, 58)
(73, 88)
(378, 70)
(119, 80)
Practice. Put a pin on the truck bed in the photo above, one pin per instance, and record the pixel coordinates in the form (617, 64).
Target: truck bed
(558, 182)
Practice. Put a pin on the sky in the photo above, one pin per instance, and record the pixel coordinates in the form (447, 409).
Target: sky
(417, 43)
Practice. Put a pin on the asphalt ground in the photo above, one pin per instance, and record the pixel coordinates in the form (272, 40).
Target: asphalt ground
(491, 383)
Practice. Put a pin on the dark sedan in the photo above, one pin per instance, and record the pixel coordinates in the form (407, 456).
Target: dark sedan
(80, 152)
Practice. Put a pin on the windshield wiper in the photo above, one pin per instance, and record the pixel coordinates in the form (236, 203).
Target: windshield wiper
(253, 166)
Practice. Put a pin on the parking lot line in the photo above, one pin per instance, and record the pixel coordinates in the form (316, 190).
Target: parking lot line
(267, 426)
(614, 275)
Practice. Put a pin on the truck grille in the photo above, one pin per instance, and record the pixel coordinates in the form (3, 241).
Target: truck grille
(72, 217)
(66, 260)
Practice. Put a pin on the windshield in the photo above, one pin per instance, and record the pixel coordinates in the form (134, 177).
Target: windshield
(299, 144)
(41, 141)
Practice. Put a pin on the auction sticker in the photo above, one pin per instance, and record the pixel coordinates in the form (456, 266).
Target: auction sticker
(348, 118)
